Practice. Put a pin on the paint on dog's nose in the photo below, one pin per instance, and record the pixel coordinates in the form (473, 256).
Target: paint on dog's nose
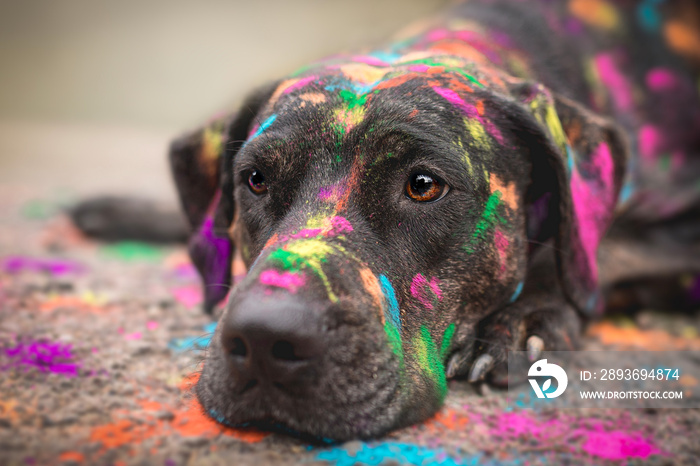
(290, 281)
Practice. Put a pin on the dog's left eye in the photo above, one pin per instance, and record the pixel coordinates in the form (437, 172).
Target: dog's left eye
(256, 182)
(424, 187)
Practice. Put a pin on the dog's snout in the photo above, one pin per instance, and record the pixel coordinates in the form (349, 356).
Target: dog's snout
(272, 342)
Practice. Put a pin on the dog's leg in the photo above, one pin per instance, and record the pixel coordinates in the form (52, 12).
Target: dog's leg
(113, 218)
(539, 319)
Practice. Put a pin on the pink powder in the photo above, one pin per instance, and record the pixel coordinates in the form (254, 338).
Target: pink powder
(617, 445)
(189, 296)
(661, 79)
(133, 336)
(299, 84)
(418, 290)
(369, 60)
(470, 111)
(611, 76)
(591, 205)
(152, 325)
(287, 280)
(650, 142)
(502, 244)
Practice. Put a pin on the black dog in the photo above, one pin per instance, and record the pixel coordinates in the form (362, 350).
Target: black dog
(409, 214)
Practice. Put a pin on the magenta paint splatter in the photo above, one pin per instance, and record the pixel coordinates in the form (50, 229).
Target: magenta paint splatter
(420, 287)
(618, 445)
(602, 439)
(611, 76)
(189, 296)
(470, 111)
(43, 355)
(299, 84)
(56, 267)
(287, 280)
(650, 142)
(661, 79)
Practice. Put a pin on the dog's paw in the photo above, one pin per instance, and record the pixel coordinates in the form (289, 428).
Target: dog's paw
(516, 328)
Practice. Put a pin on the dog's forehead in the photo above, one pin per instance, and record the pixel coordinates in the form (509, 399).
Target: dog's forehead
(361, 99)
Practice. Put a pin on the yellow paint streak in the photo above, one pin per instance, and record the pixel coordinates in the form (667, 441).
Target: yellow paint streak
(478, 134)
(363, 73)
(314, 252)
(508, 191)
(547, 115)
(350, 118)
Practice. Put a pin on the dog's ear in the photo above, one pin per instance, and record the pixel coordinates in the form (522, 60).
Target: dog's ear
(201, 164)
(578, 165)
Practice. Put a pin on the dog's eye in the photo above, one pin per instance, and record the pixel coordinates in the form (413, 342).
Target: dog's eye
(423, 187)
(256, 182)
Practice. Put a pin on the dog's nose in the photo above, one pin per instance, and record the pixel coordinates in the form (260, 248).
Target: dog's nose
(272, 342)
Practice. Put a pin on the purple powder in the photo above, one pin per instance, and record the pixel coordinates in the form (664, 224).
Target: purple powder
(56, 267)
(45, 356)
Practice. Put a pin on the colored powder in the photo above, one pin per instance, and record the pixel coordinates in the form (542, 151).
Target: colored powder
(133, 251)
(56, 267)
(194, 343)
(502, 244)
(597, 13)
(371, 285)
(265, 124)
(470, 111)
(392, 452)
(516, 293)
(45, 356)
(188, 296)
(661, 79)
(307, 253)
(447, 340)
(488, 220)
(650, 142)
(591, 205)
(648, 15)
(418, 290)
(299, 84)
(615, 80)
(617, 445)
(392, 303)
(429, 360)
(290, 281)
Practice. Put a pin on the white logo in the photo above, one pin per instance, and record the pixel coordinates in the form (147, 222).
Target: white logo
(541, 368)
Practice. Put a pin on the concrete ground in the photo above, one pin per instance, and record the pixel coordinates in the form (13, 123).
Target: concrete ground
(99, 344)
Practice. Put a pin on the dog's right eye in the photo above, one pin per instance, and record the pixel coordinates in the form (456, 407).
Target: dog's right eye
(256, 182)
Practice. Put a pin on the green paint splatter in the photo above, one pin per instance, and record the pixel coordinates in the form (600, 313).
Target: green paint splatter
(429, 360)
(665, 162)
(488, 220)
(307, 254)
(448, 67)
(353, 100)
(133, 251)
(394, 338)
(446, 340)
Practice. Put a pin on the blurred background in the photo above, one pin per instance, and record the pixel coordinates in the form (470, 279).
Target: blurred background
(92, 91)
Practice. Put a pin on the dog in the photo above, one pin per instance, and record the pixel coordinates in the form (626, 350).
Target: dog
(491, 180)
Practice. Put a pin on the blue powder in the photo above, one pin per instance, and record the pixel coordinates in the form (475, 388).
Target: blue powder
(517, 292)
(265, 124)
(403, 453)
(390, 297)
(198, 343)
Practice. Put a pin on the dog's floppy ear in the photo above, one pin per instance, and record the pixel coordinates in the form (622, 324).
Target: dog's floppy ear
(201, 163)
(578, 165)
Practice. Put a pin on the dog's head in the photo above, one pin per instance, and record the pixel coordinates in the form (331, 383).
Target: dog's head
(381, 211)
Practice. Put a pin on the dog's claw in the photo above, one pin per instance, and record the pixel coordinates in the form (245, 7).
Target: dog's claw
(480, 367)
(535, 346)
(454, 365)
